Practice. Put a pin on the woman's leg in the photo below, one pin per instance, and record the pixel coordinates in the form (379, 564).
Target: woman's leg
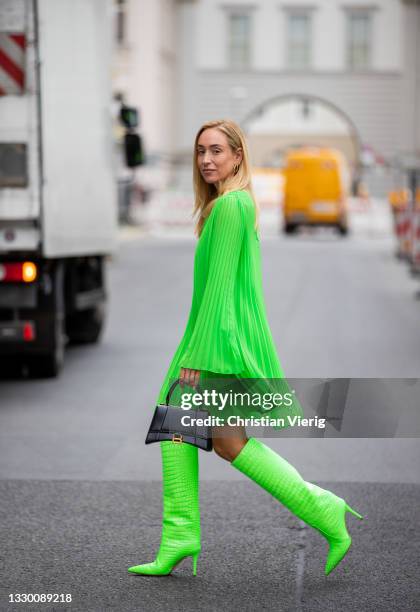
(181, 533)
(228, 441)
(318, 507)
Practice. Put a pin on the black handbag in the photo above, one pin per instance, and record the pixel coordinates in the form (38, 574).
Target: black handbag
(166, 425)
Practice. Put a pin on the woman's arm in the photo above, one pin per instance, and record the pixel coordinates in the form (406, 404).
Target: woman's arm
(214, 344)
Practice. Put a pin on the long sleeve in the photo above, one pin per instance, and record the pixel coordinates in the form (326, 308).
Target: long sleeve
(214, 343)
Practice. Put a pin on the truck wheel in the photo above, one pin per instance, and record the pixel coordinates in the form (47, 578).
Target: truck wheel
(46, 366)
(85, 327)
(49, 365)
(343, 229)
(12, 367)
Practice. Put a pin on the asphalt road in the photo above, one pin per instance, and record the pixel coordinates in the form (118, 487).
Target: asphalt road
(81, 492)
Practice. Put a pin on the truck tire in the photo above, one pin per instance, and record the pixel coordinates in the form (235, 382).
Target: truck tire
(85, 327)
(12, 368)
(49, 364)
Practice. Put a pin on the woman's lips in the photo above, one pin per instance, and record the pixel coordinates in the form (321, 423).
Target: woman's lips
(207, 171)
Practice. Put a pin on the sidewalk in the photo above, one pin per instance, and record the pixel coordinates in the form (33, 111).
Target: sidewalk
(163, 219)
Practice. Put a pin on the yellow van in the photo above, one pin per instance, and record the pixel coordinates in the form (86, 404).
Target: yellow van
(316, 183)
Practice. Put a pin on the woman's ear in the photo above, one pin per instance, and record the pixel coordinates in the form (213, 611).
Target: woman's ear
(238, 155)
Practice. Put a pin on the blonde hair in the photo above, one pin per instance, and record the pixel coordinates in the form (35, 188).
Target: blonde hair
(205, 194)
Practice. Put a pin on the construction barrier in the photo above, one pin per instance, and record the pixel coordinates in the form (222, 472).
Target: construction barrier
(415, 236)
(399, 201)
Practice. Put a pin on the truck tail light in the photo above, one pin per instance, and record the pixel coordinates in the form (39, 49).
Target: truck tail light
(28, 331)
(29, 271)
(22, 271)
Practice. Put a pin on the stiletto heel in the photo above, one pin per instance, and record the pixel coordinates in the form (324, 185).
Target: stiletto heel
(195, 559)
(359, 516)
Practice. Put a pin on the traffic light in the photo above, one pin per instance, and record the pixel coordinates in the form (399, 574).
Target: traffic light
(133, 148)
(133, 143)
(129, 116)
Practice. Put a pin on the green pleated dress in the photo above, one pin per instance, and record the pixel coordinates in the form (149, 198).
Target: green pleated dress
(227, 333)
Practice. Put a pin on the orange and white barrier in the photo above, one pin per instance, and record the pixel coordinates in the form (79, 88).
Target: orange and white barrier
(399, 201)
(415, 235)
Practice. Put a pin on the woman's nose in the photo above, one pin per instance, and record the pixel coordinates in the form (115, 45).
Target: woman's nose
(206, 158)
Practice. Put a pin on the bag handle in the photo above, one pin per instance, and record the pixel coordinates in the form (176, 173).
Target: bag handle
(172, 387)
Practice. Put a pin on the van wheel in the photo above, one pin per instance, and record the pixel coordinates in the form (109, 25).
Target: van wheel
(343, 230)
(290, 228)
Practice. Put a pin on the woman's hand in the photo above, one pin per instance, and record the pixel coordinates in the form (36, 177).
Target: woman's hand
(189, 377)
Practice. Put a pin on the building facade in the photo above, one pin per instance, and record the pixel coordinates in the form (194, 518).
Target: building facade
(361, 59)
(186, 61)
(144, 71)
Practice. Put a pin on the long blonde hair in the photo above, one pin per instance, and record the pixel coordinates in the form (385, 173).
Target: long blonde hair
(204, 193)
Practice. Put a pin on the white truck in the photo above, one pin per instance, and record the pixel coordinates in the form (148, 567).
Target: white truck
(58, 190)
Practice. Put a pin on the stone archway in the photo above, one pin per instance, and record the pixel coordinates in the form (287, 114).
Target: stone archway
(353, 155)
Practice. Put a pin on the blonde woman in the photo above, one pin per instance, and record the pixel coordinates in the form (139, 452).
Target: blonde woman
(227, 334)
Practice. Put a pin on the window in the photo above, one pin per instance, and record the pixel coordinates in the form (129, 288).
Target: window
(359, 40)
(299, 35)
(121, 22)
(239, 40)
(13, 164)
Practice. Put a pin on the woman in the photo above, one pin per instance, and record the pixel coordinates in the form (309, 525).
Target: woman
(227, 335)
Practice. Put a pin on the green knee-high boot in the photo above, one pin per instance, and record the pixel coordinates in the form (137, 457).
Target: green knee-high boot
(181, 532)
(318, 507)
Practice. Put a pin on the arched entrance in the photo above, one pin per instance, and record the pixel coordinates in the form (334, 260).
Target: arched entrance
(297, 119)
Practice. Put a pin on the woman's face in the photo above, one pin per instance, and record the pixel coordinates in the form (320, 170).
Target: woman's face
(215, 158)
